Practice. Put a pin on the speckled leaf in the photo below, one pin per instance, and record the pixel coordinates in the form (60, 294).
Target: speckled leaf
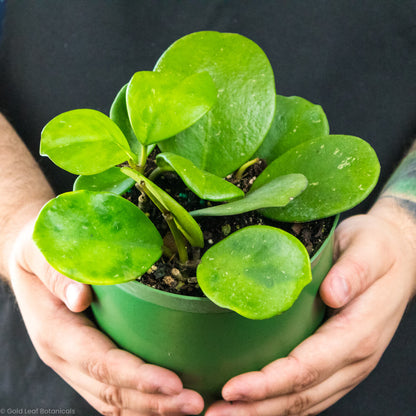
(111, 180)
(183, 220)
(257, 272)
(161, 105)
(276, 193)
(341, 172)
(296, 120)
(96, 238)
(84, 142)
(203, 184)
(228, 135)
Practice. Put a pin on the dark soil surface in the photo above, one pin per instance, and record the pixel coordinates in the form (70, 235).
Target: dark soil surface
(168, 274)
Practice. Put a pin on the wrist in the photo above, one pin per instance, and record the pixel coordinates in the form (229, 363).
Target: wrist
(393, 213)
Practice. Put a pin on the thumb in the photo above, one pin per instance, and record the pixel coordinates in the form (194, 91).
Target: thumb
(362, 259)
(77, 296)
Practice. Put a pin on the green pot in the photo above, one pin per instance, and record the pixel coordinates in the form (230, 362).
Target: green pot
(203, 343)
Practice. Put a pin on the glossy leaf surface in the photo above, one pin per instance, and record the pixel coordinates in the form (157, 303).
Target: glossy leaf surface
(186, 224)
(161, 105)
(276, 193)
(341, 172)
(111, 180)
(84, 142)
(96, 238)
(257, 272)
(296, 120)
(203, 184)
(229, 134)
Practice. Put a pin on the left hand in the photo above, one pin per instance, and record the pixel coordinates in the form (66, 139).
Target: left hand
(369, 287)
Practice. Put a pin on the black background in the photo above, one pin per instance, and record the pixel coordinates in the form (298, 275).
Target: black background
(355, 58)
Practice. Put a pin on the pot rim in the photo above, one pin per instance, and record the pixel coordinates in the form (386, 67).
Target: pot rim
(194, 303)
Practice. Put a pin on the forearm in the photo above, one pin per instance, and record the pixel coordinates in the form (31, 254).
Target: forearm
(23, 189)
(397, 202)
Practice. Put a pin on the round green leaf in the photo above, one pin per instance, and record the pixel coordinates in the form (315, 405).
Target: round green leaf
(84, 142)
(276, 193)
(341, 172)
(118, 113)
(296, 121)
(258, 271)
(111, 180)
(183, 220)
(161, 105)
(203, 184)
(228, 135)
(96, 238)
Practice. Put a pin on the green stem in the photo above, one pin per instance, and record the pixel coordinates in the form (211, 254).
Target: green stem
(158, 171)
(239, 174)
(143, 159)
(178, 237)
(180, 240)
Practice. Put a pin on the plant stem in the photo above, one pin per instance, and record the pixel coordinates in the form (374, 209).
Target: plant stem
(239, 174)
(158, 171)
(178, 237)
(143, 159)
(180, 240)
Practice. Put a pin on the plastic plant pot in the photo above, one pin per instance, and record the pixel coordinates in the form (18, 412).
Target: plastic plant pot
(203, 343)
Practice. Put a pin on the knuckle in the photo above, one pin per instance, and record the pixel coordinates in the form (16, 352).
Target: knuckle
(305, 377)
(154, 405)
(359, 275)
(98, 369)
(299, 403)
(111, 395)
(367, 347)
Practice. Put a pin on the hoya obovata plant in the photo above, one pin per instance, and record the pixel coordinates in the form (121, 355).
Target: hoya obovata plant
(210, 106)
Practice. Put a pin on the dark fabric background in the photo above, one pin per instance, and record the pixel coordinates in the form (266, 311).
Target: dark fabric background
(355, 58)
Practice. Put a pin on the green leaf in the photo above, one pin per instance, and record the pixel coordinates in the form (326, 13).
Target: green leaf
(227, 136)
(203, 184)
(276, 193)
(111, 180)
(118, 113)
(84, 142)
(341, 172)
(161, 105)
(258, 271)
(296, 120)
(186, 224)
(96, 238)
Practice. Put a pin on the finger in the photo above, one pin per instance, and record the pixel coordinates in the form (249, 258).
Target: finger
(327, 392)
(78, 351)
(344, 339)
(75, 295)
(353, 273)
(108, 399)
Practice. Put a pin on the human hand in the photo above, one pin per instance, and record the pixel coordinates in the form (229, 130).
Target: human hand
(370, 286)
(113, 381)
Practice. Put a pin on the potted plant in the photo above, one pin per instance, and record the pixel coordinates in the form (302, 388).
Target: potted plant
(208, 111)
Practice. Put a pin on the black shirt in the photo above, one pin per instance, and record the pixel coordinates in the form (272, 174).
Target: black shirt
(356, 59)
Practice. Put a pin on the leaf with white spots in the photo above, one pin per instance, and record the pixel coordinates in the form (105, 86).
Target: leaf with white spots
(341, 172)
(258, 271)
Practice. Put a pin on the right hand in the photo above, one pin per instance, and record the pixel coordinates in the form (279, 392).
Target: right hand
(113, 381)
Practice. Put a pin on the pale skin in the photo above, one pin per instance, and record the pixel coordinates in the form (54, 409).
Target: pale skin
(369, 287)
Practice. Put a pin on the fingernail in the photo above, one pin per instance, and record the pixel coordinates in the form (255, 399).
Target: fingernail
(72, 294)
(341, 291)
